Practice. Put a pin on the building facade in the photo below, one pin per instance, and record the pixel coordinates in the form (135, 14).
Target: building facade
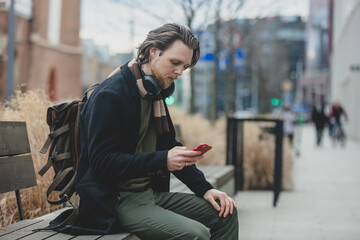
(345, 62)
(314, 85)
(48, 50)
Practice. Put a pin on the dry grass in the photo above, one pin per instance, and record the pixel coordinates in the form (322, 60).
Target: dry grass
(32, 105)
(259, 153)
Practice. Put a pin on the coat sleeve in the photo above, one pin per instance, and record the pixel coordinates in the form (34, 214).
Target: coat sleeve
(110, 134)
(194, 179)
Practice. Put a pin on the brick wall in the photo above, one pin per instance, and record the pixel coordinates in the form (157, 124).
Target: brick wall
(63, 60)
(40, 63)
(70, 22)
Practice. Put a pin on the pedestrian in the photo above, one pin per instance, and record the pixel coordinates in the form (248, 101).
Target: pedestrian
(289, 120)
(337, 111)
(128, 150)
(320, 119)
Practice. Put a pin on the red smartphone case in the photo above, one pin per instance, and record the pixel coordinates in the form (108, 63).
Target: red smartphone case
(203, 148)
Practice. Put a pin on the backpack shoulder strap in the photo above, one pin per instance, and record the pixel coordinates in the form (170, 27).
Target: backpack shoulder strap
(53, 135)
(58, 179)
(88, 92)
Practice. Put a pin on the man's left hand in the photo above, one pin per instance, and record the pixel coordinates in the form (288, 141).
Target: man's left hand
(227, 204)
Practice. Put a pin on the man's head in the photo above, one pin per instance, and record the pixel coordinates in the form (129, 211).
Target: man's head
(167, 52)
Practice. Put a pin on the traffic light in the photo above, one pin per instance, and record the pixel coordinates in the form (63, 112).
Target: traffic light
(170, 100)
(276, 102)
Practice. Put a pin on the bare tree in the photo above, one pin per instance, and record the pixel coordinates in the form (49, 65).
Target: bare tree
(230, 9)
(143, 7)
(190, 9)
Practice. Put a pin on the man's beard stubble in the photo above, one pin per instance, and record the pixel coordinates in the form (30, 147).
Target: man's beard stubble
(158, 79)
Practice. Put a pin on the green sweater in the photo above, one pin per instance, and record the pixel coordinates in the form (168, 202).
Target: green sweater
(147, 143)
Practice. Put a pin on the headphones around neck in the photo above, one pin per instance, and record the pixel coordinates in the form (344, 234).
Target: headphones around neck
(152, 87)
(150, 84)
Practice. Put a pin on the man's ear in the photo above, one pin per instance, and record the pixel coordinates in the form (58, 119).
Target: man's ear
(154, 51)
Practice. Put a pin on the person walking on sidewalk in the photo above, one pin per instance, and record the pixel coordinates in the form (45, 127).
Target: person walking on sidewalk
(320, 119)
(289, 118)
(128, 150)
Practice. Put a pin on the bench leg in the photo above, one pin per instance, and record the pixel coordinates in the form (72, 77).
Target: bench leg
(18, 199)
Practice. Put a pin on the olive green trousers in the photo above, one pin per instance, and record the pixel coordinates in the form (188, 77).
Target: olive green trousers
(168, 215)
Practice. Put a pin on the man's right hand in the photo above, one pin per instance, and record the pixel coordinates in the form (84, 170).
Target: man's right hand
(180, 157)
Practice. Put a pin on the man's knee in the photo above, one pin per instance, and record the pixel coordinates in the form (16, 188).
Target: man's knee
(199, 233)
(231, 219)
(226, 228)
(234, 217)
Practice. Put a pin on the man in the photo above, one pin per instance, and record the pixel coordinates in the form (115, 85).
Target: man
(319, 118)
(128, 150)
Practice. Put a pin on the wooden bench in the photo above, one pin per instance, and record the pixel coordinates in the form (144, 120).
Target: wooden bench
(16, 166)
(222, 178)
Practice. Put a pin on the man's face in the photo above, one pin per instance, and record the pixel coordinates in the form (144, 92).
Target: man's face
(166, 66)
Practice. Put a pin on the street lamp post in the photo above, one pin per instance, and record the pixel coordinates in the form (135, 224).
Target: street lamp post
(10, 52)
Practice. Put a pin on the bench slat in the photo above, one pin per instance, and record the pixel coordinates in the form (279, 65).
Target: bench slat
(13, 138)
(60, 236)
(54, 214)
(86, 237)
(40, 235)
(16, 173)
(16, 226)
(223, 174)
(27, 231)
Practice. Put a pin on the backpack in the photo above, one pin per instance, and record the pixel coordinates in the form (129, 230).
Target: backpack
(63, 142)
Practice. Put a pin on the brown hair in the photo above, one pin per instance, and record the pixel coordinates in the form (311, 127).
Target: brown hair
(163, 37)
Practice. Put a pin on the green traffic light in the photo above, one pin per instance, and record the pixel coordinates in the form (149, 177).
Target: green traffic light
(170, 100)
(276, 102)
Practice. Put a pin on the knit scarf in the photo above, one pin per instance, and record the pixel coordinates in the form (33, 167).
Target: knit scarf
(161, 122)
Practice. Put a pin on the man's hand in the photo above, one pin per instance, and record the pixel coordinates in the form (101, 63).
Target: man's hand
(226, 202)
(180, 157)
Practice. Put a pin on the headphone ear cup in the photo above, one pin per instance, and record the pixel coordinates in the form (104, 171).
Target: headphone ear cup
(151, 86)
(169, 91)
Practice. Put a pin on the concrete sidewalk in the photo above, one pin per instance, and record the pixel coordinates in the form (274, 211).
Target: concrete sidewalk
(325, 201)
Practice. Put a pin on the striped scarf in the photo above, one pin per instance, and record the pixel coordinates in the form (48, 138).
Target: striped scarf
(161, 122)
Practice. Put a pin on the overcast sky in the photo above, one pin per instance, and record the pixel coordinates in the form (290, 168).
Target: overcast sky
(108, 22)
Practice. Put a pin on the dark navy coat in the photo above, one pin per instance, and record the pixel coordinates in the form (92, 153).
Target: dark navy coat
(109, 131)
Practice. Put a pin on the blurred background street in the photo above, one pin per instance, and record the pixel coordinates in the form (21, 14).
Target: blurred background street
(324, 203)
(293, 63)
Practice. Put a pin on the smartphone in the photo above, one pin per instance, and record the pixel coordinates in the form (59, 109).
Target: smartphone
(203, 148)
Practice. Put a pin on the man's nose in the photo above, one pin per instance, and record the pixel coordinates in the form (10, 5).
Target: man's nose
(179, 70)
